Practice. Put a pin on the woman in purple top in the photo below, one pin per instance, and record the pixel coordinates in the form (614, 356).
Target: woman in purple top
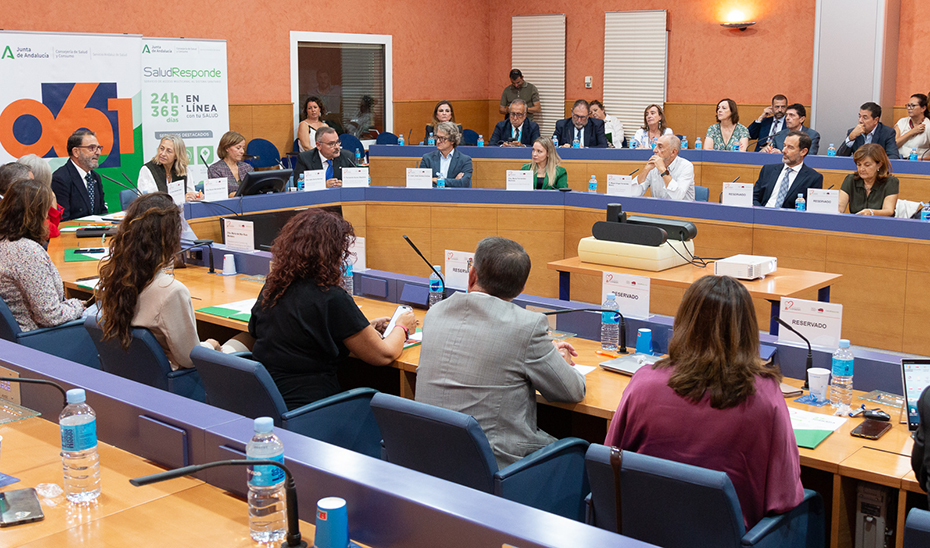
(712, 403)
(231, 151)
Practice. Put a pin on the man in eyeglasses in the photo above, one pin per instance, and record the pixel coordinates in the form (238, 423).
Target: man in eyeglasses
(517, 130)
(581, 127)
(327, 155)
(77, 188)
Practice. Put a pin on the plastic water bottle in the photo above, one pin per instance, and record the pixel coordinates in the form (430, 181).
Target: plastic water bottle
(301, 183)
(735, 147)
(800, 204)
(348, 281)
(441, 182)
(592, 184)
(555, 141)
(431, 141)
(831, 150)
(481, 140)
(267, 522)
(400, 140)
(684, 142)
(653, 144)
(435, 287)
(610, 324)
(79, 459)
(358, 157)
(913, 155)
(576, 143)
(925, 212)
(697, 144)
(841, 383)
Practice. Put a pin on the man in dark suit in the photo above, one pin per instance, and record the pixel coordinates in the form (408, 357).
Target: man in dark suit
(327, 155)
(77, 188)
(794, 120)
(770, 122)
(870, 130)
(589, 131)
(779, 184)
(447, 161)
(517, 130)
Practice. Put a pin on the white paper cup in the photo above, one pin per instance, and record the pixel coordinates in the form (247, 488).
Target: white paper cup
(818, 379)
(229, 264)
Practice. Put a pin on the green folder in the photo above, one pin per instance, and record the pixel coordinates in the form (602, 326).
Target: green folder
(219, 311)
(72, 257)
(810, 439)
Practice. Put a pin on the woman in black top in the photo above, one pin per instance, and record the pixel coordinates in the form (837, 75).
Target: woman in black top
(305, 325)
(167, 166)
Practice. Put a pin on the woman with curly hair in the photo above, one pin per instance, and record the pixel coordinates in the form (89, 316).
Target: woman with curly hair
(135, 290)
(305, 325)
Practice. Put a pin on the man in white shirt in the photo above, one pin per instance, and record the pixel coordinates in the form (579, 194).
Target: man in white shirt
(669, 177)
(780, 184)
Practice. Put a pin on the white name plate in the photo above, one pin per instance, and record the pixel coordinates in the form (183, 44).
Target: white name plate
(737, 194)
(823, 201)
(518, 179)
(419, 177)
(620, 185)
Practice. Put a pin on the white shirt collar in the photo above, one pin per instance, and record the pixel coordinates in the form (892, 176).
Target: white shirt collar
(80, 171)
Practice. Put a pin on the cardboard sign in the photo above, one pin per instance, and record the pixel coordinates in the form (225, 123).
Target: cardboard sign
(458, 263)
(518, 179)
(419, 178)
(196, 175)
(215, 189)
(355, 176)
(239, 235)
(358, 261)
(820, 322)
(823, 201)
(176, 191)
(632, 293)
(737, 194)
(620, 185)
(315, 179)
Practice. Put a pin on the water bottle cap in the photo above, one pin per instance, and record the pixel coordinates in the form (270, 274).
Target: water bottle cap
(437, 267)
(611, 296)
(844, 343)
(263, 425)
(800, 194)
(76, 395)
(480, 136)
(831, 144)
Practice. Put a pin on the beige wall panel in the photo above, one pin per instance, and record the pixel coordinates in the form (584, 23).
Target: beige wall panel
(531, 219)
(918, 257)
(870, 318)
(274, 122)
(784, 244)
(464, 218)
(383, 215)
(386, 250)
(542, 247)
(867, 251)
(916, 312)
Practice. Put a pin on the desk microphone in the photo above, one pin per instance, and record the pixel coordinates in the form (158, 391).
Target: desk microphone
(428, 263)
(622, 349)
(132, 184)
(720, 198)
(127, 187)
(810, 355)
(290, 490)
(204, 160)
(249, 157)
(634, 172)
(201, 242)
(409, 135)
(39, 381)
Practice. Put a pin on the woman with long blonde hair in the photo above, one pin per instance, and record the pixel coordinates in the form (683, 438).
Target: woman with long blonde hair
(547, 173)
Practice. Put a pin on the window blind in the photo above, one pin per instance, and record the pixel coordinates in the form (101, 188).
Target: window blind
(538, 50)
(635, 61)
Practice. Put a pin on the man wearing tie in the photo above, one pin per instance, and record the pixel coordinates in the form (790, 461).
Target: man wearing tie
(77, 188)
(769, 123)
(870, 130)
(779, 184)
(517, 130)
(589, 132)
(327, 155)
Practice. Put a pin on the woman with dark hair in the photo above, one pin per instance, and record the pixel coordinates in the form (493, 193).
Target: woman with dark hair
(713, 403)
(872, 189)
(653, 128)
(727, 132)
(135, 290)
(442, 112)
(29, 282)
(305, 325)
(910, 133)
(311, 119)
(231, 166)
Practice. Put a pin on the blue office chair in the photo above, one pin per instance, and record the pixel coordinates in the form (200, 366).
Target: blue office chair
(68, 340)
(671, 504)
(451, 445)
(296, 147)
(917, 529)
(386, 138)
(145, 362)
(351, 143)
(242, 385)
(469, 137)
(701, 193)
(126, 197)
(266, 153)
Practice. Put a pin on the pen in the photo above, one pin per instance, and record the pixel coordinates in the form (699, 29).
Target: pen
(90, 250)
(608, 354)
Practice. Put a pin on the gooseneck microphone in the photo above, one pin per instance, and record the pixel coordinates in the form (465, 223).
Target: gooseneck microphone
(427, 262)
(64, 395)
(720, 198)
(622, 349)
(127, 187)
(202, 242)
(810, 355)
(290, 490)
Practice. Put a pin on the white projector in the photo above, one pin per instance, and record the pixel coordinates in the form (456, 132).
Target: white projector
(746, 267)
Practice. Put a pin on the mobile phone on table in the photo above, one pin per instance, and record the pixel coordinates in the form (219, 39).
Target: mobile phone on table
(19, 506)
(871, 429)
(390, 326)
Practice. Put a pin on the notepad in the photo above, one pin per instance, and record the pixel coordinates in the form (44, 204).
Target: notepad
(239, 310)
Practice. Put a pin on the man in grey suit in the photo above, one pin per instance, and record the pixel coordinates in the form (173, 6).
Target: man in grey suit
(446, 161)
(794, 120)
(485, 356)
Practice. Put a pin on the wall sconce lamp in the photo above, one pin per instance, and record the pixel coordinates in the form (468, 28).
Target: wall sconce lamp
(737, 20)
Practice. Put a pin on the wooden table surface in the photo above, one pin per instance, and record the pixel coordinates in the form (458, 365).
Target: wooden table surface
(179, 512)
(785, 282)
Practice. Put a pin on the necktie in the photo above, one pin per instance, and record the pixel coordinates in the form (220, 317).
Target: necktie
(578, 135)
(329, 169)
(91, 194)
(517, 131)
(783, 190)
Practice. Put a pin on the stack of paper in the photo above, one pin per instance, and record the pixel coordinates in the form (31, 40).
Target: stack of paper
(241, 310)
(812, 428)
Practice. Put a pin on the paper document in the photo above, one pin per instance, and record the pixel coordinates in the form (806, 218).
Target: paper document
(240, 310)
(812, 428)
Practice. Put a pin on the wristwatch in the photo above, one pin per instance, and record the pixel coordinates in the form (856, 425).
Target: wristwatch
(666, 172)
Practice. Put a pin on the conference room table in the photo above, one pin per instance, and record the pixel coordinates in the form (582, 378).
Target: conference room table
(179, 512)
(832, 468)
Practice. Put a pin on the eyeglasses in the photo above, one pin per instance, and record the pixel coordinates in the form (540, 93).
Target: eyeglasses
(910, 106)
(334, 144)
(440, 139)
(517, 114)
(92, 148)
(579, 116)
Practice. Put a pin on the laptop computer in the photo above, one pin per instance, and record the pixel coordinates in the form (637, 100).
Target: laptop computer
(915, 374)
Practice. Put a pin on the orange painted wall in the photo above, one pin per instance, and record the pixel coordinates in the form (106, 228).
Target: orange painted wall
(258, 43)
(913, 51)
